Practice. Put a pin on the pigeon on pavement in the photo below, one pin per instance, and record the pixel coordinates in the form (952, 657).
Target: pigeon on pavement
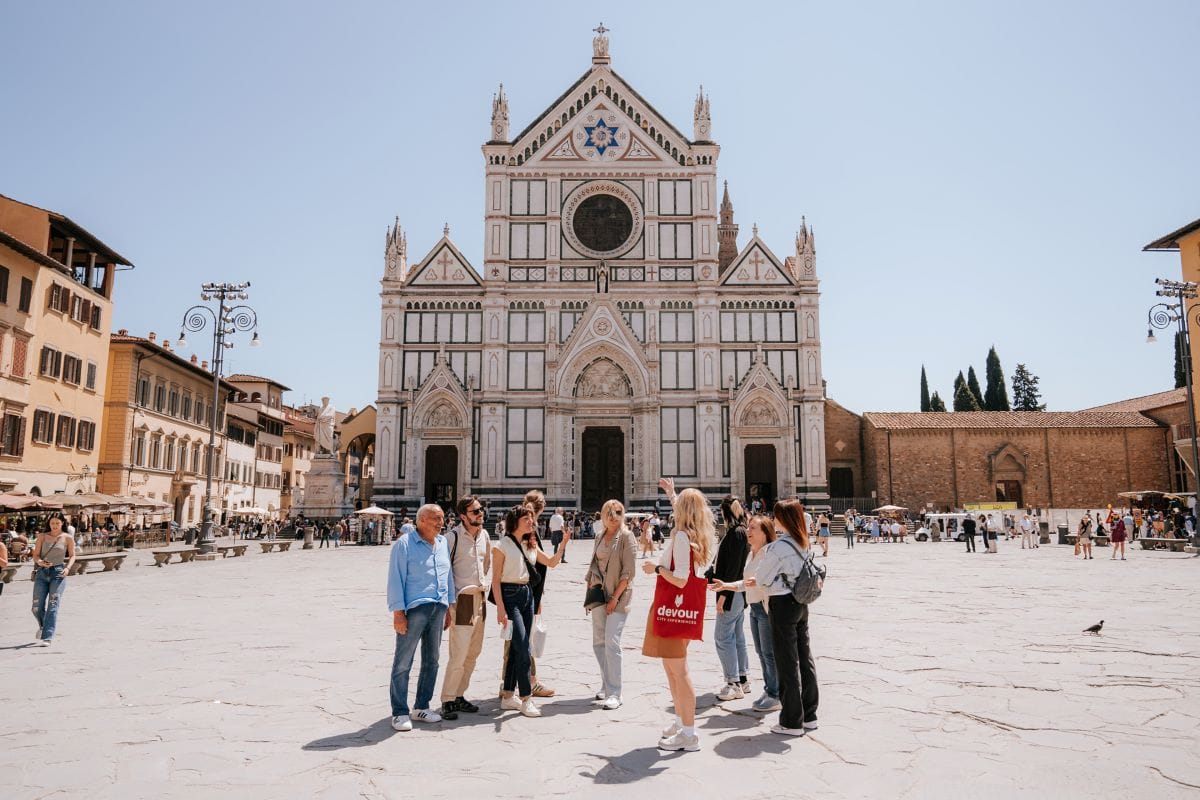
(1095, 628)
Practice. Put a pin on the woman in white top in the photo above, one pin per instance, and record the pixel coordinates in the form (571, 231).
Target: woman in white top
(760, 532)
(53, 556)
(513, 560)
(691, 548)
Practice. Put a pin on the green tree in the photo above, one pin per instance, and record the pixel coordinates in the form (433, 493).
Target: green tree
(936, 403)
(964, 400)
(924, 390)
(1180, 375)
(1026, 396)
(995, 397)
(973, 386)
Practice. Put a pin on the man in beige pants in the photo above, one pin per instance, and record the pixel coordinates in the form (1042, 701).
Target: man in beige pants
(471, 560)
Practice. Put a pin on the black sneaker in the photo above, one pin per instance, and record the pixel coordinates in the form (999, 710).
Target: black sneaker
(450, 710)
(462, 704)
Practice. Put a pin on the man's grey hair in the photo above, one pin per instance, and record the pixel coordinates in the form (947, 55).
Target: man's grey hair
(428, 510)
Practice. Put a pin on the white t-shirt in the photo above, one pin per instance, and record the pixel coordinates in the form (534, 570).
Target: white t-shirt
(556, 522)
(895, 529)
(680, 550)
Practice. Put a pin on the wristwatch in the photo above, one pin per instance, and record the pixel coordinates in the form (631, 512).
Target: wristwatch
(657, 567)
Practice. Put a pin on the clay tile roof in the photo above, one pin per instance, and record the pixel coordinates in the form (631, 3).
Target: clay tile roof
(1007, 420)
(246, 378)
(1147, 402)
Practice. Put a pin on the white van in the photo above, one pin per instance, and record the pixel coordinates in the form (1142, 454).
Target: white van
(943, 527)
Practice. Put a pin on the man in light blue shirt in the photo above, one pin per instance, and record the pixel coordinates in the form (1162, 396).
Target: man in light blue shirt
(420, 589)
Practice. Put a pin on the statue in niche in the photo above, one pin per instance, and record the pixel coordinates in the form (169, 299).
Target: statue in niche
(603, 379)
(602, 278)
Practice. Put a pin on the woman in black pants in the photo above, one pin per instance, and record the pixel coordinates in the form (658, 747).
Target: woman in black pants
(797, 671)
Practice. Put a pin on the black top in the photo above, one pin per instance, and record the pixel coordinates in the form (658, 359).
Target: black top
(731, 560)
(968, 526)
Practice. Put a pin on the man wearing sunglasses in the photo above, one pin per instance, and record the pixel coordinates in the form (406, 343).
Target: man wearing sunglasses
(471, 560)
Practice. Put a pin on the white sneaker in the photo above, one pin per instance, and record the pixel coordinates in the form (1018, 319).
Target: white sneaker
(44, 642)
(611, 703)
(600, 696)
(782, 731)
(671, 730)
(425, 715)
(528, 709)
(810, 726)
(401, 723)
(510, 703)
(766, 703)
(680, 741)
(730, 691)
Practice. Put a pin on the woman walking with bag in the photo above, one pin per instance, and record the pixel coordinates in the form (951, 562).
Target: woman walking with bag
(760, 533)
(794, 664)
(610, 588)
(53, 556)
(686, 556)
(514, 571)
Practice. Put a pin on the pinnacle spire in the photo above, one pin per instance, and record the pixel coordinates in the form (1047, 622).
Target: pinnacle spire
(500, 116)
(701, 117)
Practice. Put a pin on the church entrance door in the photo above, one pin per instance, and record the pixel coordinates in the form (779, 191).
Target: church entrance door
(602, 467)
(760, 475)
(441, 475)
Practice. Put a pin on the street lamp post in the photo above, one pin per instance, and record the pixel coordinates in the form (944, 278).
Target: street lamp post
(1161, 316)
(227, 320)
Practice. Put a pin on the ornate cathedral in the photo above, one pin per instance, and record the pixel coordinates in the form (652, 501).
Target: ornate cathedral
(613, 331)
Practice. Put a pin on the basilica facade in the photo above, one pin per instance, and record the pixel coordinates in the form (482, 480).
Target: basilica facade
(611, 332)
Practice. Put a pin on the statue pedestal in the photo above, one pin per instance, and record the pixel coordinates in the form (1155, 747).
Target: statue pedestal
(323, 489)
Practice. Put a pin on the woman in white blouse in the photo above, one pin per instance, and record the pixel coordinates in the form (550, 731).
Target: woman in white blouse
(760, 532)
(691, 548)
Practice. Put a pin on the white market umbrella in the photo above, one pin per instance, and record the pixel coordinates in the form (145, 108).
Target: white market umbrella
(374, 511)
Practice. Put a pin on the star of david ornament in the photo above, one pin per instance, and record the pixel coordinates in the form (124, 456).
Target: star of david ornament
(601, 136)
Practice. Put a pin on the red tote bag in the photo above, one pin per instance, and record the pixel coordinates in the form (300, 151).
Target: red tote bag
(679, 613)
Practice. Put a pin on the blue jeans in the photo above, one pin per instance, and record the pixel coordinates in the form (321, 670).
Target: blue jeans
(518, 605)
(730, 638)
(760, 630)
(425, 624)
(606, 642)
(48, 586)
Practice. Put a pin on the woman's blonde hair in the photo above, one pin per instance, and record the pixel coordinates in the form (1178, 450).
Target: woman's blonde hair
(693, 515)
(614, 509)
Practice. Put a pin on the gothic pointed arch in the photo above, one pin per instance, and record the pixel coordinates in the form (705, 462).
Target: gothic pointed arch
(602, 334)
(602, 379)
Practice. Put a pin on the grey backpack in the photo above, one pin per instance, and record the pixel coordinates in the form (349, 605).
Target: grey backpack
(805, 587)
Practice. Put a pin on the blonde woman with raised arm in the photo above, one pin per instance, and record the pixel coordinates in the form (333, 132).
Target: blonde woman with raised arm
(690, 550)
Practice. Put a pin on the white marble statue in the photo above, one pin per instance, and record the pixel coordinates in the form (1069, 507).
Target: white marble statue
(323, 430)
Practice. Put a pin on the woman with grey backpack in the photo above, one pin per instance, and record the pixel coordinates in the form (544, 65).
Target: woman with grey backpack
(786, 570)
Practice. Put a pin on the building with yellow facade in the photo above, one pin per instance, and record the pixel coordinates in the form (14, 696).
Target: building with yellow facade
(56, 288)
(158, 409)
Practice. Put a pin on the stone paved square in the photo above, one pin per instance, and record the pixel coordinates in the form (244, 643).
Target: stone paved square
(942, 674)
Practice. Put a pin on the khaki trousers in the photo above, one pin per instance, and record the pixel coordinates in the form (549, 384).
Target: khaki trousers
(466, 641)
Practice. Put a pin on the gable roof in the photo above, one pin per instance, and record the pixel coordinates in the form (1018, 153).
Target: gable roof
(749, 268)
(1147, 402)
(974, 420)
(242, 377)
(1171, 240)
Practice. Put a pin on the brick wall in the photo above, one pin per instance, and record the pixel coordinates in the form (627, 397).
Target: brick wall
(843, 442)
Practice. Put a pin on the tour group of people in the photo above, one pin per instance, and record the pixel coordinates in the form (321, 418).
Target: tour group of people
(442, 580)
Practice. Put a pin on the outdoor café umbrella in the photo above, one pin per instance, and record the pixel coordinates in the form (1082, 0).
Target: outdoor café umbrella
(374, 511)
(889, 509)
(28, 502)
(249, 511)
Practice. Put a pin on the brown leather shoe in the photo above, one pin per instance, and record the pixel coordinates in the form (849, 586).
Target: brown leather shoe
(541, 690)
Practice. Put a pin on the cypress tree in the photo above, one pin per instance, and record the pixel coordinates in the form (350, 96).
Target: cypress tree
(964, 400)
(936, 403)
(973, 387)
(1026, 396)
(924, 391)
(995, 397)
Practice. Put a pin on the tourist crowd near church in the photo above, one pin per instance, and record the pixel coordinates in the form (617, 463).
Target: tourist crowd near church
(441, 584)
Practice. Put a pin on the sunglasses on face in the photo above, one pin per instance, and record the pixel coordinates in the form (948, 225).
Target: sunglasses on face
(478, 510)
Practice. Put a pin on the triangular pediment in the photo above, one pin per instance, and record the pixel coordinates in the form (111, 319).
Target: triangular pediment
(575, 127)
(441, 379)
(603, 333)
(444, 266)
(756, 265)
(760, 400)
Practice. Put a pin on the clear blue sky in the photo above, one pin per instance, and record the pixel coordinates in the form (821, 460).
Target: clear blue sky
(976, 173)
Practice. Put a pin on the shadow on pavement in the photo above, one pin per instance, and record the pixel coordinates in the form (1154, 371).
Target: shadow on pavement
(751, 746)
(19, 646)
(644, 762)
(373, 734)
(732, 720)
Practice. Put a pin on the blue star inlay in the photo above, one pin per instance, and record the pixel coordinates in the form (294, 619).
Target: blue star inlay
(601, 137)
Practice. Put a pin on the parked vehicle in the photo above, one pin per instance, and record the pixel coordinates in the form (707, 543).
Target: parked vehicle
(944, 526)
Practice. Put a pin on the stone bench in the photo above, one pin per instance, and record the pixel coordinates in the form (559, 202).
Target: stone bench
(1151, 542)
(269, 545)
(185, 554)
(226, 550)
(111, 561)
